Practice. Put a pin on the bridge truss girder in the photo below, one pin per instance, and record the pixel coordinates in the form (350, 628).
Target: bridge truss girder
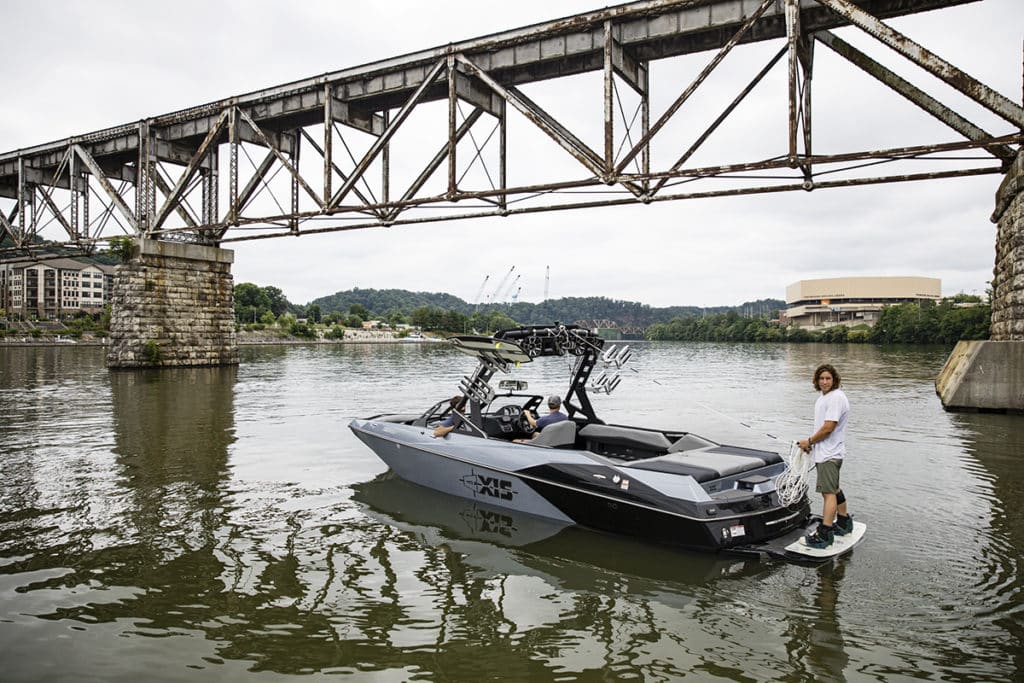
(326, 149)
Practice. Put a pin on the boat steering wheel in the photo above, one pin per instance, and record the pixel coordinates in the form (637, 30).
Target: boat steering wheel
(512, 416)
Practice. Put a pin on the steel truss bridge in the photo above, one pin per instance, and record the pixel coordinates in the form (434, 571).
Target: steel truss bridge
(342, 151)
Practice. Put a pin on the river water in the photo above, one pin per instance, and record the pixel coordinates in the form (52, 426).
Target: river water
(224, 524)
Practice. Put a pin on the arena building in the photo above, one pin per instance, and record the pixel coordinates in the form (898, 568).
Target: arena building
(852, 301)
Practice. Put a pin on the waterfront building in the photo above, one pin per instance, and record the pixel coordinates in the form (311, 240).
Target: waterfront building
(853, 300)
(50, 289)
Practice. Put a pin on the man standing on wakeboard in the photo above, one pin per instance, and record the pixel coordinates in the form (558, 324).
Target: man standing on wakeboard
(827, 446)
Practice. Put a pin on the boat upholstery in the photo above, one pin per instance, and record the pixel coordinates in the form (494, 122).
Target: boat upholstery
(558, 434)
(689, 442)
(600, 437)
(709, 463)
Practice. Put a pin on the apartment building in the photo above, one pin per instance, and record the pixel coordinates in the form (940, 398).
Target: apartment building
(47, 290)
(853, 300)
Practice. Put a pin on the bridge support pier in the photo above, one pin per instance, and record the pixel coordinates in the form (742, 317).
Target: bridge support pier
(989, 375)
(173, 305)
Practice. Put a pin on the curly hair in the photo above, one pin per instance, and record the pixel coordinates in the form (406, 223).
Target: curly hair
(826, 367)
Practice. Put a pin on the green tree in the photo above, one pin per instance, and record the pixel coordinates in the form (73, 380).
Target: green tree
(279, 305)
(303, 330)
(251, 302)
(359, 310)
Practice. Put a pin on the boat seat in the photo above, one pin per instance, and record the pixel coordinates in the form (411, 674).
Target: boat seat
(689, 442)
(709, 463)
(625, 437)
(558, 434)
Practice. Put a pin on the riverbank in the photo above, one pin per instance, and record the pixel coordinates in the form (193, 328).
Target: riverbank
(244, 338)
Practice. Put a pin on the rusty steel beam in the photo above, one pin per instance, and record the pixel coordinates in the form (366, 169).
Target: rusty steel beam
(562, 136)
(281, 158)
(969, 86)
(721, 117)
(388, 133)
(189, 172)
(101, 177)
(378, 99)
(720, 172)
(922, 99)
(789, 187)
(180, 208)
(685, 95)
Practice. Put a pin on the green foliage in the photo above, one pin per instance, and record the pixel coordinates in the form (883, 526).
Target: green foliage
(122, 247)
(85, 322)
(727, 326)
(386, 303)
(151, 352)
(254, 303)
(336, 332)
(302, 330)
(944, 323)
(858, 336)
(354, 321)
(360, 311)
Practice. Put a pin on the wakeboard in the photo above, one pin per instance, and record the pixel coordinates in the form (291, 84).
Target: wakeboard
(489, 347)
(840, 545)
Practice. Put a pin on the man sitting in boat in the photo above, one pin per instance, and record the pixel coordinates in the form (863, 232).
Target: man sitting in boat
(555, 415)
(448, 424)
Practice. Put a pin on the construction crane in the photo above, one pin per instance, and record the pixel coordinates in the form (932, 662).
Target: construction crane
(476, 299)
(547, 281)
(515, 297)
(503, 294)
(501, 286)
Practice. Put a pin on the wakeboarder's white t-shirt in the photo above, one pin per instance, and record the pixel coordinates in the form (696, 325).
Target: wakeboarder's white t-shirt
(835, 407)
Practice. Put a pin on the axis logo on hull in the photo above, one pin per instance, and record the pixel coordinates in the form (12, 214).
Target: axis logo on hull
(489, 522)
(487, 486)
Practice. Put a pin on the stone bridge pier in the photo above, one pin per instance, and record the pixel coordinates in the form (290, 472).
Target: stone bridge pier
(173, 305)
(989, 375)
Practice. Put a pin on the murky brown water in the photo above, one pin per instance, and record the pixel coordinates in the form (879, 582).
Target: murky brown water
(213, 524)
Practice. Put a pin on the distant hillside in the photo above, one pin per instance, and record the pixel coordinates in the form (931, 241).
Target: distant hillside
(44, 249)
(383, 303)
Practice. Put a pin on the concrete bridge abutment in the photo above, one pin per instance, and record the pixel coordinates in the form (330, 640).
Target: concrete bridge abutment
(173, 306)
(989, 375)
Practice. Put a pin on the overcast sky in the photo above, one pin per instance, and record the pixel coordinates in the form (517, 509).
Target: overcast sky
(84, 66)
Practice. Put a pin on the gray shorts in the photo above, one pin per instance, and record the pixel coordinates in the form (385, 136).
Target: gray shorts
(828, 476)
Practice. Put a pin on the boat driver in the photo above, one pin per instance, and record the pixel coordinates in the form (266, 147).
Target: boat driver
(554, 415)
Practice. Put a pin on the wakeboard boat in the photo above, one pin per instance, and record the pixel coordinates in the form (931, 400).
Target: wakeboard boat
(669, 486)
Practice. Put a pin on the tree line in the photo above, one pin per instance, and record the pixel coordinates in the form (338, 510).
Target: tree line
(944, 322)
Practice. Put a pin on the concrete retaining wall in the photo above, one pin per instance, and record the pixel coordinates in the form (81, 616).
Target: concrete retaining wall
(989, 375)
(173, 305)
